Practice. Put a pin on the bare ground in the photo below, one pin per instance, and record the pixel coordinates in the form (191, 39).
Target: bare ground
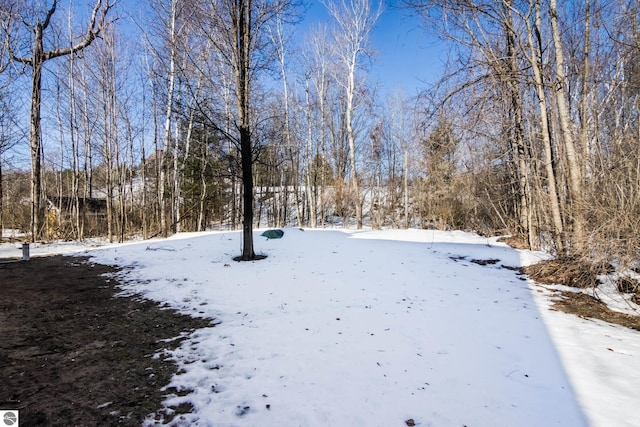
(577, 274)
(71, 353)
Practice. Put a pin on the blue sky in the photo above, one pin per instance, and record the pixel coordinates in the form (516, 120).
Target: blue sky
(405, 57)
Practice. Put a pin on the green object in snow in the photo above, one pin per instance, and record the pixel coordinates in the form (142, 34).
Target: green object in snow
(273, 234)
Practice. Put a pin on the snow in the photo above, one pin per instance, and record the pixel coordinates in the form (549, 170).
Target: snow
(340, 327)
(10, 251)
(608, 292)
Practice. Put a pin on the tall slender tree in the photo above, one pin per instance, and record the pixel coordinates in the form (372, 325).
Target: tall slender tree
(317, 61)
(566, 131)
(355, 19)
(5, 113)
(277, 34)
(237, 30)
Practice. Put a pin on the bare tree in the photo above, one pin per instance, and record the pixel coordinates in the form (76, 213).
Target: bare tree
(75, 146)
(277, 33)
(491, 82)
(355, 19)
(6, 119)
(566, 130)
(105, 78)
(7, 140)
(35, 60)
(236, 29)
(399, 140)
(174, 16)
(172, 45)
(317, 81)
(534, 43)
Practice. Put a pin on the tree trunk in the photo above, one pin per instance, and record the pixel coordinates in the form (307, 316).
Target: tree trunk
(177, 205)
(143, 177)
(584, 96)
(246, 152)
(35, 134)
(109, 185)
(573, 163)
(164, 226)
(203, 192)
(247, 193)
(75, 153)
(406, 189)
(311, 168)
(88, 154)
(536, 66)
(355, 186)
(519, 150)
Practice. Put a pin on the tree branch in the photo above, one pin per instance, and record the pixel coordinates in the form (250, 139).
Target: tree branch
(50, 13)
(93, 31)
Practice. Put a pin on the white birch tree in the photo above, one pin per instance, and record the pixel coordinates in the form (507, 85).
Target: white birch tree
(354, 21)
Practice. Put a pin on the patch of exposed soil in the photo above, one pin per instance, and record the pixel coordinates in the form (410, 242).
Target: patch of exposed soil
(73, 354)
(584, 305)
(485, 261)
(579, 274)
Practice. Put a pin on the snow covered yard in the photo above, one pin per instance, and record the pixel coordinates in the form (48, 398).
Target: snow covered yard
(379, 328)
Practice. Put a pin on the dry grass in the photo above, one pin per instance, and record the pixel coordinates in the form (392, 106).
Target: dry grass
(515, 241)
(628, 285)
(573, 272)
(577, 273)
(587, 306)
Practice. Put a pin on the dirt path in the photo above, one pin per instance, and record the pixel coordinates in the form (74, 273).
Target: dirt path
(72, 354)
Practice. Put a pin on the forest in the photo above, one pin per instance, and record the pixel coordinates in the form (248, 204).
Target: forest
(121, 119)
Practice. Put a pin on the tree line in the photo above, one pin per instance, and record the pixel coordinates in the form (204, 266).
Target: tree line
(549, 95)
(179, 115)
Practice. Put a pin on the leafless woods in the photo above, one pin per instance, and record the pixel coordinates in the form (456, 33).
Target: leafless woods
(184, 115)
